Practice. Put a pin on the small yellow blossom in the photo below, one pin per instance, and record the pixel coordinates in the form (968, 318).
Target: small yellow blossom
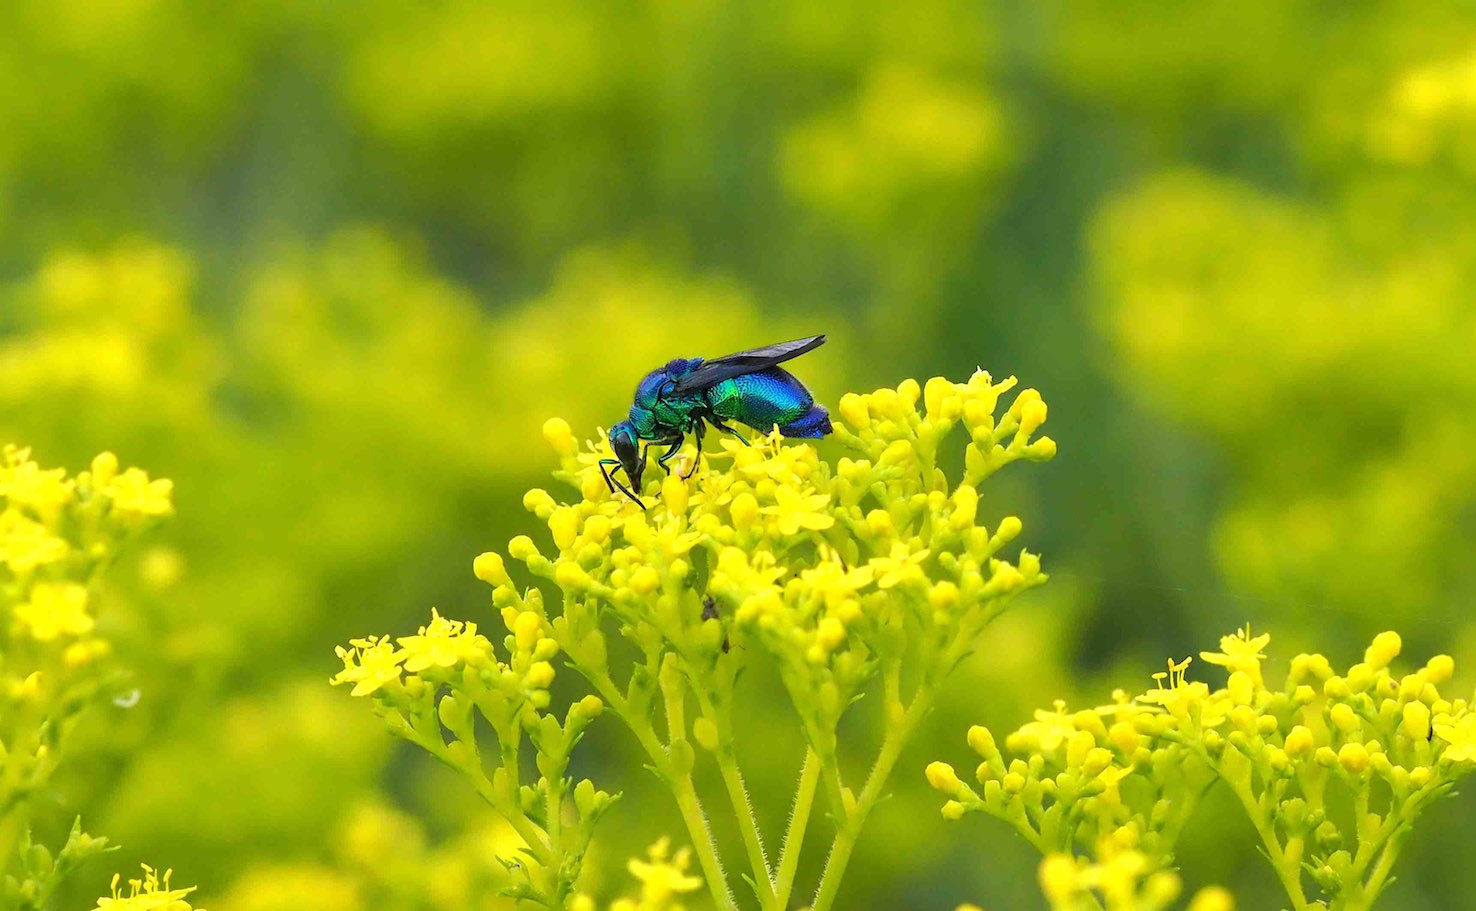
(1240, 652)
(150, 893)
(1460, 738)
(369, 664)
(26, 544)
(661, 876)
(135, 495)
(442, 644)
(902, 565)
(56, 609)
(793, 511)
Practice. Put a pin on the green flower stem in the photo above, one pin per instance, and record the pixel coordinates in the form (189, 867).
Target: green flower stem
(753, 841)
(895, 739)
(1379, 877)
(529, 831)
(681, 785)
(794, 836)
(1289, 873)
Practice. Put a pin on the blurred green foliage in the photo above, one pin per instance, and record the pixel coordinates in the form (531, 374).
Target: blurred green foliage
(330, 265)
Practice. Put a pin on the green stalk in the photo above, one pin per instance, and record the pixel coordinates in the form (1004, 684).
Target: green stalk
(850, 829)
(794, 836)
(703, 843)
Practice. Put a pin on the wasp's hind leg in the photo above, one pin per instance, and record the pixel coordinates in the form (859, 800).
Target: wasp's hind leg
(717, 422)
(612, 483)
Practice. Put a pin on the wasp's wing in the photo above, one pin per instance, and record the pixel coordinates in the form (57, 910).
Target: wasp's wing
(725, 368)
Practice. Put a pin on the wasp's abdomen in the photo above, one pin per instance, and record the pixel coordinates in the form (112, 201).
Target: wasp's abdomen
(766, 398)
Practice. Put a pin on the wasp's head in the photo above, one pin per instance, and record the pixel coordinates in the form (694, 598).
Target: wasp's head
(628, 450)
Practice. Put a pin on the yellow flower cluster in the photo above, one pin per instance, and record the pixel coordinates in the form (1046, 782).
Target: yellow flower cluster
(440, 679)
(1126, 776)
(873, 566)
(1124, 881)
(56, 535)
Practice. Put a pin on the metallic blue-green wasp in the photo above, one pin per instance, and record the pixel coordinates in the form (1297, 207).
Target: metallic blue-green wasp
(689, 393)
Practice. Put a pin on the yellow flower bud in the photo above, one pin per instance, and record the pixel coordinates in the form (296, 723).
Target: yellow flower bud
(1042, 450)
(1299, 740)
(853, 410)
(1344, 718)
(490, 569)
(560, 436)
(981, 741)
(830, 632)
(571, 576)
(1353, 757)
(540, 675)
(1097, 759)
(880, 522)
(745, 511)
(527, 629)
(942, 778)
(1415, 720)
(539, 502)
(644, 580)
(943, 596)
(965, 507)
(522, 548)
(1384, 649)
(1439, 669)
(953, 810)
(564, 524)
(1009, 529)
(935, 394)
(104, 468)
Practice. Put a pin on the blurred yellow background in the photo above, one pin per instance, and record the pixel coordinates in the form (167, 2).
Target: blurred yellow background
(330, 265)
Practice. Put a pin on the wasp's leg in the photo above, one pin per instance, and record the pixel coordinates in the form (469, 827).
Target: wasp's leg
(700, 429)
(612, 482)
(673, 446)
(717, 422)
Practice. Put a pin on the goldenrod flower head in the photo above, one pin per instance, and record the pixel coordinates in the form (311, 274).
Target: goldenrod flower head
(149, 893)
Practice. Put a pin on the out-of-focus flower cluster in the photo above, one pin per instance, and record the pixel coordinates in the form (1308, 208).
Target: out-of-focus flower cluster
(58, 534)
(874, 568)
(663, 877)
(1125, 880)
(1332, 769)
